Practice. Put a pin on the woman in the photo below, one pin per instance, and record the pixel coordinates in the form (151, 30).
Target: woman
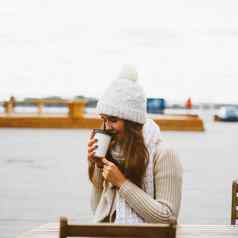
(140, 179)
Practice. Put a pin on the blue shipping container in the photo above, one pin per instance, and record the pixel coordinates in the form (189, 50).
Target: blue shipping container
(155, 105)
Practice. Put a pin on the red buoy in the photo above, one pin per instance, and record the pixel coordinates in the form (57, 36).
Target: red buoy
(189, 104)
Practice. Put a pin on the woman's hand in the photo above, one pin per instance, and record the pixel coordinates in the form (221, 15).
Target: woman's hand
(112, 174)
(91, 152)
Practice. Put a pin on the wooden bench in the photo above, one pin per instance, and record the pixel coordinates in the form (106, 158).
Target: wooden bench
(234, 202)
(76, 107)
(116, 230)
(51, 230)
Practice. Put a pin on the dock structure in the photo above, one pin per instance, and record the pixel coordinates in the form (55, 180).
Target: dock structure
(166, 122)
(76, 118)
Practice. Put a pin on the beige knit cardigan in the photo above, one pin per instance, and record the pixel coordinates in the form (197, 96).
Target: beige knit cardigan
(168, 189)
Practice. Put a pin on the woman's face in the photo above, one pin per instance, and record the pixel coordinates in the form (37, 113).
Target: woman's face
(115, 124)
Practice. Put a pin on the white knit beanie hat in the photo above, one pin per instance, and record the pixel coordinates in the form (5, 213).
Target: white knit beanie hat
(124, 98)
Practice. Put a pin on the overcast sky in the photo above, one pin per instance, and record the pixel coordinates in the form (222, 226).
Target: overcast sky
(66, 48)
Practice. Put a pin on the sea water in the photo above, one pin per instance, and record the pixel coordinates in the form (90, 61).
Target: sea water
(43, 175)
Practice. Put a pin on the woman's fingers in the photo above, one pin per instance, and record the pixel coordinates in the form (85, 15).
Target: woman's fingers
(105, 173)
(106, 169)
(106, 162)
(92, 148)
(92, 141)
(92, 134)
(91, 155)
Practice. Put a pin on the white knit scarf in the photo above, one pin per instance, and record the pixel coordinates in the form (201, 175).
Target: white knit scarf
(124, 213)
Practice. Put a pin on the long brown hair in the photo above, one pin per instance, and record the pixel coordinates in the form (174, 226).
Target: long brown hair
(134, 152)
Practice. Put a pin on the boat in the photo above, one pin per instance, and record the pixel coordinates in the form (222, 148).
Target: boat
(229, 114)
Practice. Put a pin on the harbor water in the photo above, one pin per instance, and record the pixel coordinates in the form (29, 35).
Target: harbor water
(43, 175)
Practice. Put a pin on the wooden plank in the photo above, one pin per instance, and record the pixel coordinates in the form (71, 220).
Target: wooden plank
(171, 123)
(116, 230)
(50, 101)
(51, 230)
(119, 230)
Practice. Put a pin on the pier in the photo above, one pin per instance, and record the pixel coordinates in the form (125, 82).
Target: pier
(77, 118)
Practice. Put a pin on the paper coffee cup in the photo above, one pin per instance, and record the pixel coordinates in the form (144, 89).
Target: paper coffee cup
(103, 141)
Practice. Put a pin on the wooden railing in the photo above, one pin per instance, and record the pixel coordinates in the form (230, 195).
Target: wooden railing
(75, 108)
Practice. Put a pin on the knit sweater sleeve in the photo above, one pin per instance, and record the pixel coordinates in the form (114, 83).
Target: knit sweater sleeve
(168, 185)
(96, 190)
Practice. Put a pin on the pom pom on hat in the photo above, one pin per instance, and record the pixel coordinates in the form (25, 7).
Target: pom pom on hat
(128, 72)
(124, 98)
